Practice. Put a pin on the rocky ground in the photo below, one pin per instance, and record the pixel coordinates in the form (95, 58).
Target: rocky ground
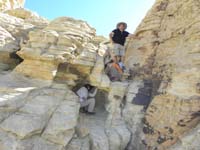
(43, 62)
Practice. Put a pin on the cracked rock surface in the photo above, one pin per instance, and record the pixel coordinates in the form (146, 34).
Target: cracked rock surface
(166, 51)
(42, 63)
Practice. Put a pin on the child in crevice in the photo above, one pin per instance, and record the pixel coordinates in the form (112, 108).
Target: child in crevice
(113, 70)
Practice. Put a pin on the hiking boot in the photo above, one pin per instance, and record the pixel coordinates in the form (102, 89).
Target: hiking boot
(124, 69)
(91, 113)
(82, 110)
(122, 66)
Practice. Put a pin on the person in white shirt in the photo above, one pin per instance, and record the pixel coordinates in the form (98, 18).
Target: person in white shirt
(87, 99)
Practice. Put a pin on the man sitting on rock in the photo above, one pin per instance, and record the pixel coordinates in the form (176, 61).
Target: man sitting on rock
(87, 99)
(118, 39)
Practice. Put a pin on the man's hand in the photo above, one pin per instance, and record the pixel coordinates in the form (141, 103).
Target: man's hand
(133, 36)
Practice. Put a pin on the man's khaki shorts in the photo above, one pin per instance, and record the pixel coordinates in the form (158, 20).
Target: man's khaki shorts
(118, 50)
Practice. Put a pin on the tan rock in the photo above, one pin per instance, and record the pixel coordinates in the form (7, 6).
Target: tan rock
(165, 49)
(8, 45)
(79, 144)
(59, 42)
(188, 141)
(11, 4)
(31, 125)
(13, 32)
(98, 77)
(61, 127)
(116, 128)
(133, 115)
(34, 110)
(29, 17)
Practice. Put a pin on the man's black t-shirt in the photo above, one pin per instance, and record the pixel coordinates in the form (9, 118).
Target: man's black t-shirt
(119, 37)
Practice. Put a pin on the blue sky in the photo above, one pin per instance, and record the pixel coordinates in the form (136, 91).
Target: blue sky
(103, 15)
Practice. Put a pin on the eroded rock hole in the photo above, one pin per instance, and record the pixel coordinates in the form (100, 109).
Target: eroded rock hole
(9, 61)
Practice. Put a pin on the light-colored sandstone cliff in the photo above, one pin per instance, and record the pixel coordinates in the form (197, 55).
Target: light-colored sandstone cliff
(14, 29)
(29, 17)
(167, 51)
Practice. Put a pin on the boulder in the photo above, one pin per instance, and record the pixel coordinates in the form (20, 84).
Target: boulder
(61, 126)
(31, 118)
(29, 17)
(116, 128)
(98, 77)
(61, 42)
(36, 113)
(23, 125)
(13, 32)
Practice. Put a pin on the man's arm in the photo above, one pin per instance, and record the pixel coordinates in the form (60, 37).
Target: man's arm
(132, 36)
(111, 36)
(93, 94)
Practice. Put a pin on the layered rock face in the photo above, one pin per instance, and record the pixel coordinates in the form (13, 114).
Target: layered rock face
(36, 114)
(13, 30)
(33, 113)
(64, 50)
(43, 63)
(57, 43)
(166, 51)
(14, 33)
(29, 17)
(38, 110)
(11, 4)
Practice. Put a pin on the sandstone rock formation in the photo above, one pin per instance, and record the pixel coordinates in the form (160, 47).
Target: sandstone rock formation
(11, 4)
(29, 17)
(43, 63)
(61, 41)
(60, 48)
(166, 51)
(189, 140)
(38, 110)
(14, 33)
(13, 30)
(36, 114)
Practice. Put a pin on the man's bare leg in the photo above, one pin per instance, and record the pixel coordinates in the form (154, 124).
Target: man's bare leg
(123, 59)
(116, 59)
